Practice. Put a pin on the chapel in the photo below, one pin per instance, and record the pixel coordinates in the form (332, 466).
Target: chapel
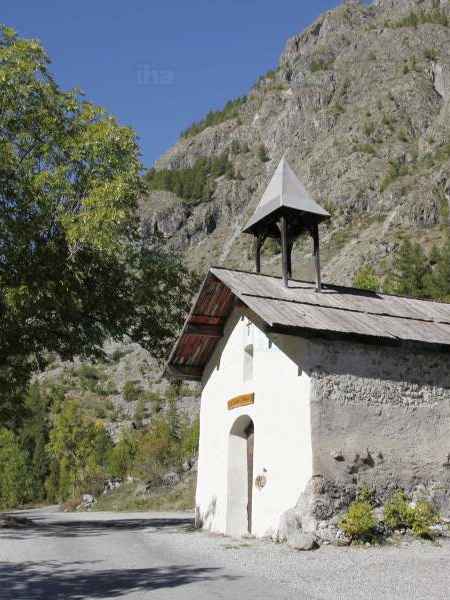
(310, 390)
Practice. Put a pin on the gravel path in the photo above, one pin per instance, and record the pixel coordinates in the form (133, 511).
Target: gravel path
(156, 555)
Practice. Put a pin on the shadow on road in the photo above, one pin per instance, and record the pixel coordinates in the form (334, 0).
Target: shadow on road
(51, 580)
(78, 528)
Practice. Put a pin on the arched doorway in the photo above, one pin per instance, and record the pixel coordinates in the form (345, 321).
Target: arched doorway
(240, 477)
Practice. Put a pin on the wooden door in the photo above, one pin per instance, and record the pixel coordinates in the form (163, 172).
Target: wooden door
(250, 433)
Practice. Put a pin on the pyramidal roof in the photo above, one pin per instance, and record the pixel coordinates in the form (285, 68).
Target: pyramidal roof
(285, 191)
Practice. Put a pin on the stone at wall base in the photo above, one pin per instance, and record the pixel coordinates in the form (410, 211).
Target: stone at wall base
(290, 523)
(302, 541)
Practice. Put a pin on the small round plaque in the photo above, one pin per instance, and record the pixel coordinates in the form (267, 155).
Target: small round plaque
(260, 481)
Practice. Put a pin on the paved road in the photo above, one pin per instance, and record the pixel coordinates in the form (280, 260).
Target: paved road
(137, 556)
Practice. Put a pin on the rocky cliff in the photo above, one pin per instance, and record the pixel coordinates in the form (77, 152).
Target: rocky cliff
(360, 105)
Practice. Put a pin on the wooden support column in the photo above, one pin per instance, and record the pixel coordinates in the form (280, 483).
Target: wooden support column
(259, 240)
(284, 249)
(289, 258)
(315, 235)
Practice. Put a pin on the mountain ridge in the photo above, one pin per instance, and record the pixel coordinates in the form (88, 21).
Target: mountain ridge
(358, 103)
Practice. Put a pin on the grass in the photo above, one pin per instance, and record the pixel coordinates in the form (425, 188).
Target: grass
(181, 497)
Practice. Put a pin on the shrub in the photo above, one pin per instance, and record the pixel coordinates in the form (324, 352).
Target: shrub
(321, 64)
(395, 170)
(118, 354)
(262, 153)
(139, 413)
(369, 128)
(337, 109)
(358, 520)
(423, 518)
(122, 455)
(131, 391)
(397, 512)
(430, 54)
(88, 372)
(366, 494)
(365, 148)
(367, 279)
(403, 135)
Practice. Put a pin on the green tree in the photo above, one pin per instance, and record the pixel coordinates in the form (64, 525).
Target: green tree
(367, 279)
(14, 478)
(34, 437)
(73, 267)
(158, 449)
(410, 272)
(81, 449)
(122, 456)
(191, 438)
(438, 281)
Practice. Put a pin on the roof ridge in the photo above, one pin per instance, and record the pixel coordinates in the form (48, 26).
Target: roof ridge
(334, 286)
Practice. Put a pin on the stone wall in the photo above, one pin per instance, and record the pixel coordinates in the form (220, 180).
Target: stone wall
(380, 416)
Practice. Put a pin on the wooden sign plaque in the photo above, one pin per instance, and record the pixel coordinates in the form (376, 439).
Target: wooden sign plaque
(243, 400)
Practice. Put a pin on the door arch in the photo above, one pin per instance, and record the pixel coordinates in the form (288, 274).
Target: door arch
(240, 477)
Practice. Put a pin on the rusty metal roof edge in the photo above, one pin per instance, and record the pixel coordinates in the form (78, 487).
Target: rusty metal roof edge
(186, 322)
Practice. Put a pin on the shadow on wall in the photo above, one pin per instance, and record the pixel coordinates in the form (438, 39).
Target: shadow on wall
(74, 581)
(407, 364)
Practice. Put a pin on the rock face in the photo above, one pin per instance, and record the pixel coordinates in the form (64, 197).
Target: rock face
(360, 106)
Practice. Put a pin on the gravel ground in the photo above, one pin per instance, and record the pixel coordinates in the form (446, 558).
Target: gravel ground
(157, 555)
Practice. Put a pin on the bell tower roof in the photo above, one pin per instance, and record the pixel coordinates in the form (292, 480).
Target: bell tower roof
(285, 193)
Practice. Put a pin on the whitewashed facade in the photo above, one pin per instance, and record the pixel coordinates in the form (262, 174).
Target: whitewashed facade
(247, 361)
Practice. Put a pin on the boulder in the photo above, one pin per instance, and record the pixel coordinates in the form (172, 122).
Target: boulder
(302, 541)
(289, 524)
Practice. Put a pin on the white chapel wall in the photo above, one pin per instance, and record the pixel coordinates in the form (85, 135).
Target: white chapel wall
(245, 362)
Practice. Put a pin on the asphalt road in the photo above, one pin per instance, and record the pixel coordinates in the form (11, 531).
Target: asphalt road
(142, 555)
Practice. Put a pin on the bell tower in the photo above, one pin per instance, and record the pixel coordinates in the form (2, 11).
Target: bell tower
(285, 212)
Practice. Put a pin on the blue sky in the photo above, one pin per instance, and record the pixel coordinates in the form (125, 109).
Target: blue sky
(160, 65)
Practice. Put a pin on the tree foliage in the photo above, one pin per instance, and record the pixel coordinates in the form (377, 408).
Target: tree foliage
(196, 183)
(215, 117)
(414, 273)
(73, 268)
(366, 279)
(14, 476)
(81, 450)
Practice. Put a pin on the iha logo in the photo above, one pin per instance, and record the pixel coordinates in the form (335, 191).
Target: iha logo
(148, 74)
